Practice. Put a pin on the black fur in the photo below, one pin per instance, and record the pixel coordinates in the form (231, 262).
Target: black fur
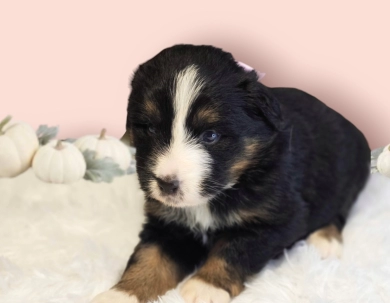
(308, 170)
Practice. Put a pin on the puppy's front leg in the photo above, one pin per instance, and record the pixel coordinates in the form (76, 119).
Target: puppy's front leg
(233, 259)
(160, 261)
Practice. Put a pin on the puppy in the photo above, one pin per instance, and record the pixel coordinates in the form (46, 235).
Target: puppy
(233, 173)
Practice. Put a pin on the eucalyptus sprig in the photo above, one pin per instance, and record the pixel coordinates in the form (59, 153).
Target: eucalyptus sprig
(3, 123)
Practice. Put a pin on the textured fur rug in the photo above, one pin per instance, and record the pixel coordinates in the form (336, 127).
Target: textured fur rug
(66, 243)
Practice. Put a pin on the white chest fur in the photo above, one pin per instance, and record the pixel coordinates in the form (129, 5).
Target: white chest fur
(199, 217)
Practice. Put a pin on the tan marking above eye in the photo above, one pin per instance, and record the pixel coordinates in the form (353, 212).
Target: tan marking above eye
(151, 107)
(208, 114)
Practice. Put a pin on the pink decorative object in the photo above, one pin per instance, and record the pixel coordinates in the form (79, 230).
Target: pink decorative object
(250, 68)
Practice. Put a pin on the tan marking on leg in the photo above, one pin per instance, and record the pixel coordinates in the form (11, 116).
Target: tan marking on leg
(327, 240)
(151, 275)
(219, 274)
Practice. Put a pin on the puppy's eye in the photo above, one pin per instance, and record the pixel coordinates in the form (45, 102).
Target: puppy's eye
(210, 137)
(151, 129)
(146, 127)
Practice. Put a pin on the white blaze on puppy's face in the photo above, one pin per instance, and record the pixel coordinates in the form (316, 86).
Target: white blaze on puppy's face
(185, 159)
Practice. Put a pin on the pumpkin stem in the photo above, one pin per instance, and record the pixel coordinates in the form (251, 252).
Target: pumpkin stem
(103, 134)
(59, 145)
(3, 123)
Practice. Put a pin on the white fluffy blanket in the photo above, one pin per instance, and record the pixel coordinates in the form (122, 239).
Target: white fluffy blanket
(66, 243)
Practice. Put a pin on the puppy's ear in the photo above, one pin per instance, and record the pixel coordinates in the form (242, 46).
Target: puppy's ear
(260, 102)
(127, 137)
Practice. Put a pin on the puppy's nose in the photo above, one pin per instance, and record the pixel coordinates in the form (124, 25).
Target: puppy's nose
(168, 186)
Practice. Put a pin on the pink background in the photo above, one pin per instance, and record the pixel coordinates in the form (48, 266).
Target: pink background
(68, 63)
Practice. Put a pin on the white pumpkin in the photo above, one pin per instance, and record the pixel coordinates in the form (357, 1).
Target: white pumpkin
(18, 144)
(106, 146)
(59, 162)
(383, 163)
(386, 150)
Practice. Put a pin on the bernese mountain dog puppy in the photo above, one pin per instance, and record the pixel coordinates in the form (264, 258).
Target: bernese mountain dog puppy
(233, 173)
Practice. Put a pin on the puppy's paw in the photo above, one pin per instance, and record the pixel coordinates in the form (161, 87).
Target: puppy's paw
(197, 291)
(114, 296)
(328, 245)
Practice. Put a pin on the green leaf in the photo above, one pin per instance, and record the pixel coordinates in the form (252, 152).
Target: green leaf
(100, 170)
(70, 140)
(132, 167)
(374, 159)
(132, 150)
(45, 133)
(376, 152)
(3, 123)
